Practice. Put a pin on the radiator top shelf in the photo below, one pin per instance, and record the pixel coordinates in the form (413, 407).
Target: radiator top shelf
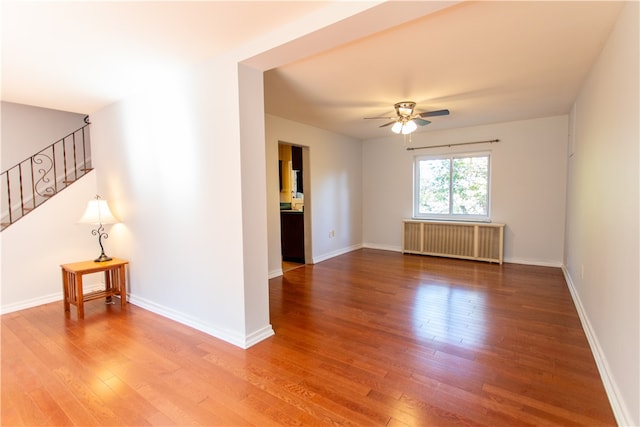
(452, 222)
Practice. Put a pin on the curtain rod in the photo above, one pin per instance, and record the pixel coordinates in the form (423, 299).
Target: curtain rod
(451, 145)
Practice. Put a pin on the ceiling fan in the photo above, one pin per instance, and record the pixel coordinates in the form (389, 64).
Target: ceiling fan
(406, 120)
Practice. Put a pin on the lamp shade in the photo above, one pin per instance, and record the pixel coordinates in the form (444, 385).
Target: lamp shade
(409, 127)
(404, 127)
(97, 212)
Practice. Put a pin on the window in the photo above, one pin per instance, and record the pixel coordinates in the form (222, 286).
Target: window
(454, 187)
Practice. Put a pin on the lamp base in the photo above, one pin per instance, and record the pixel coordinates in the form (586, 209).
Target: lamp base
(103, 258)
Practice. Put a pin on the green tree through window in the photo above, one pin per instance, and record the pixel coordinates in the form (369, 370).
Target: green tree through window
(452, 187)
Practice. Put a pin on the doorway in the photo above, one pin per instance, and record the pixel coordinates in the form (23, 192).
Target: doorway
(294, 205)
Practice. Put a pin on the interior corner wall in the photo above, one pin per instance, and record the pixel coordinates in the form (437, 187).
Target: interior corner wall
(254, 204)
(602, 243)
(528, 175)
(335, 163)
(170, 162)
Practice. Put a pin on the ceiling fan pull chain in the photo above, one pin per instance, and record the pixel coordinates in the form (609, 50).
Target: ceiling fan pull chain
(404, 140)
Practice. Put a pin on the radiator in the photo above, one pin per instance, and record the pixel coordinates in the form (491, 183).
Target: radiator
(467, 240)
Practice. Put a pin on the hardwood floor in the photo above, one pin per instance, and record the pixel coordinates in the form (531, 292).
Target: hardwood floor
(288, 265)
(367, 338)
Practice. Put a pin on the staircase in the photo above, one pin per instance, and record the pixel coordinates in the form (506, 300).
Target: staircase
(36, 179)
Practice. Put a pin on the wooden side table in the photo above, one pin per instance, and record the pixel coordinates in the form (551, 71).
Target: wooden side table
(114, 278)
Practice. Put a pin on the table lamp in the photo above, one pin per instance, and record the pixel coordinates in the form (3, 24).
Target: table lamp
(98, 213)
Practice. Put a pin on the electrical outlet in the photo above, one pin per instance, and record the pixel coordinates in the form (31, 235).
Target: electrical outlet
(332, 234)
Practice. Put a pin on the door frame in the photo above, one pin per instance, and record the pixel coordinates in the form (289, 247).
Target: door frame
(308, 202)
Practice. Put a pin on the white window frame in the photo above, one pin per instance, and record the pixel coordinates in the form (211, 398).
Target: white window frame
(450, 216)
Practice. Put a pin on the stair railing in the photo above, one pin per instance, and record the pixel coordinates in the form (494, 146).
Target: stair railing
(36, 179)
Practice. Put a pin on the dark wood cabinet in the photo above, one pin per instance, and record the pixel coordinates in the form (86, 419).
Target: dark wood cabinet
(296, 158)
(292, 236)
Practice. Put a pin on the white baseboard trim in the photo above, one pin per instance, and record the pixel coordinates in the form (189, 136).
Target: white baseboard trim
(399, 249)
(508, 260)
(232, 337)
(257, 336)
(620, 411)
(275, 273)
(30, 303)
(45, 299)
(382, 247)
(556, 264)
(336, 253)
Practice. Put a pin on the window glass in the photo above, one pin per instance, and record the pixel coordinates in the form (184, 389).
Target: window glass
(434, 186)
(452, 187)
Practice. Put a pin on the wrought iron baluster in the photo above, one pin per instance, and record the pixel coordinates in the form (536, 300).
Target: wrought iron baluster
(84, 153)
(75, 164)
(64, 161)
(44, 172)
(21, 191)
(55, 169)
(33, 184)
(10, 208)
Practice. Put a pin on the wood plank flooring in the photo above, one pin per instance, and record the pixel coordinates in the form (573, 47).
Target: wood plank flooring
(288, 265)
(370, 338)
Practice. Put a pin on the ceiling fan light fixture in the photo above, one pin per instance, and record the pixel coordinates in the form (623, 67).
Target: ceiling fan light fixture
(409, 127)
(407, 121)
(405, 108)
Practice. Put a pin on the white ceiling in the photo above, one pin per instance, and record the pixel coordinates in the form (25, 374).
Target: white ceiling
(82, 55)
(486, 62)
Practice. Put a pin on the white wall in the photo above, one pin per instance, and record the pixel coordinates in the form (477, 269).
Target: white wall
(34, 247)
(254, 202)
(170, 159)
(528, 172)
(335, 188)
(602, 254)
(27, 130)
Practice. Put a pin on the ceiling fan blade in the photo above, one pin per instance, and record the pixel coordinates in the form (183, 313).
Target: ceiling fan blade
(388, 124)
(435, 113)
(421, 122)
(373, 118)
